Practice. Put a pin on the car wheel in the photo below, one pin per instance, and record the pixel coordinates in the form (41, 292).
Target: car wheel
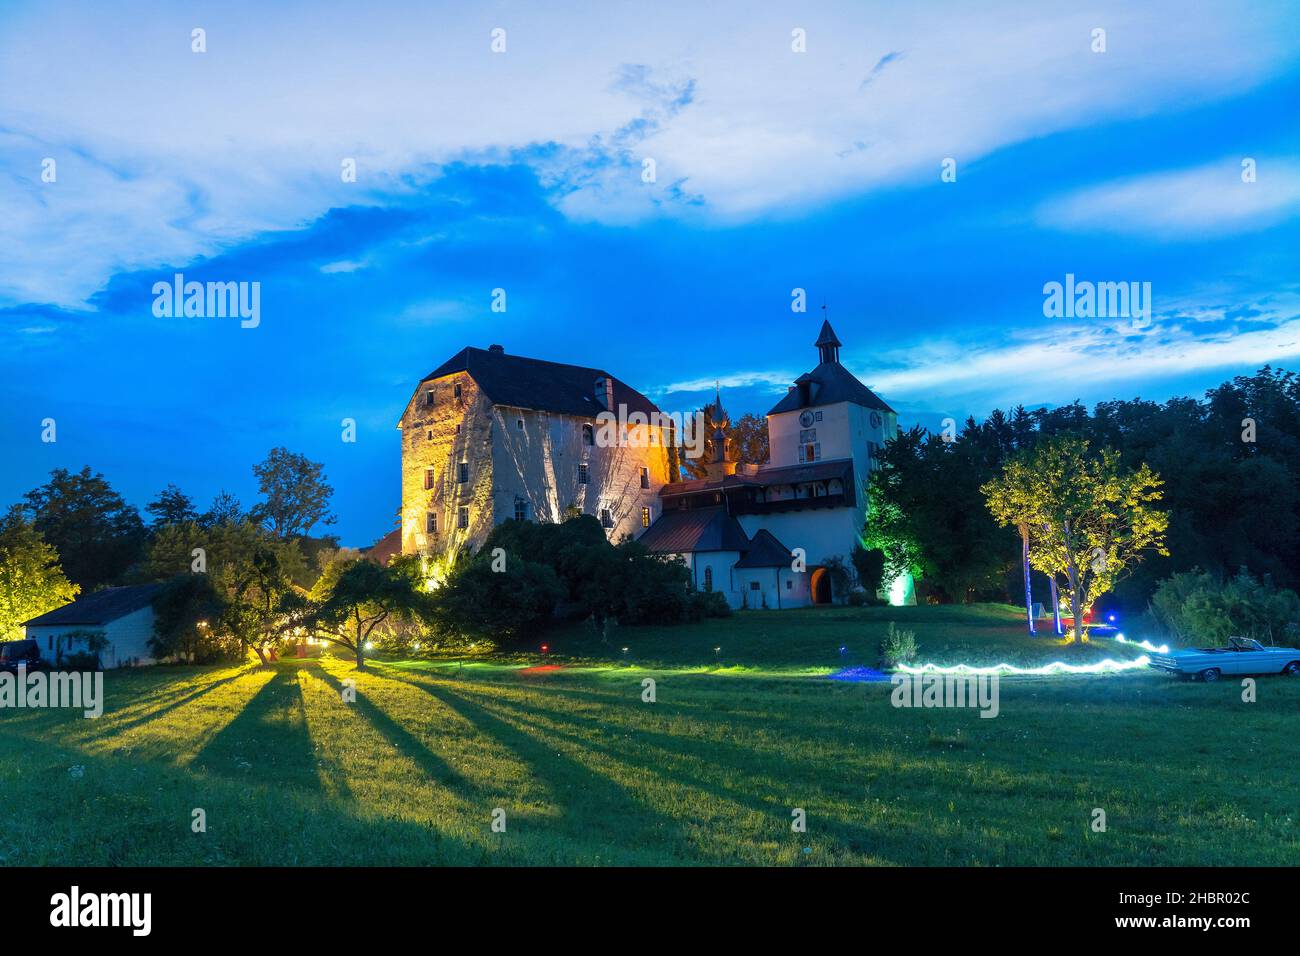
(1210, 675)
(1292, 669)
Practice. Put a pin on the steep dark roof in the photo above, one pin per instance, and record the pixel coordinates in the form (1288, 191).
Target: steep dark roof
(830, 382)
(827, 336)
(765, 551)
(533, 383)
(102, 607)
(696, 529)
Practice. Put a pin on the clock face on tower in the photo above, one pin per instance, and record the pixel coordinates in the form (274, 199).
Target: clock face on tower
(806, 419)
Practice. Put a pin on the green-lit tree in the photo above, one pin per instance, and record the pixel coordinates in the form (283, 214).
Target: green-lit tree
(1098, 518)
(31, 581)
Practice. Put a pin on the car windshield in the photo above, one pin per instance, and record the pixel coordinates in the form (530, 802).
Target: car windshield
(1244, 644)
(13, 650)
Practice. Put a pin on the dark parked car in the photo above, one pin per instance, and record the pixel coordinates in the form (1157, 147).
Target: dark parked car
(13, 653)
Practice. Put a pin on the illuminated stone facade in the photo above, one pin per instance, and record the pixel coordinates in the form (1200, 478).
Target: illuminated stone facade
(490, 437)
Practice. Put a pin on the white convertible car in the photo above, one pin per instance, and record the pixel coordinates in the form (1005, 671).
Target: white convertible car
(1241, 656)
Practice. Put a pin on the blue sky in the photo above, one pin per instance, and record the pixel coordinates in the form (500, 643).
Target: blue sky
(522, 170)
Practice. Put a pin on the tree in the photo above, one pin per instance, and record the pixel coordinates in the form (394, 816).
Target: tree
(225, 509)
(187, 615)
(172, 506)
(354, 597)
(1090, 519)
(31, 581)
(748, 439)
(95, 532)
(297, 496)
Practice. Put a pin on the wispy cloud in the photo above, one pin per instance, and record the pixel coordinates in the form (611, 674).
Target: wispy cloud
(1207, 199)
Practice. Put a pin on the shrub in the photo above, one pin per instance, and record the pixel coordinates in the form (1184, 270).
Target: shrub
(1197, 607)
(898, 647)
(706, 604)
(870, 568)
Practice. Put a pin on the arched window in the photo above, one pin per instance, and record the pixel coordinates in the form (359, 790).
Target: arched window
(708, 579)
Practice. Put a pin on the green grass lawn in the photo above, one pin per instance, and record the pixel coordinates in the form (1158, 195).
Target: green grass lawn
(288, 773)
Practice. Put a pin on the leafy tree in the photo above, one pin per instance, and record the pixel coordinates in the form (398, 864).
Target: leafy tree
(172, 506)
(187, 616)
(1090, 519)
(354, 597)
(508, 604)
(869, 565)
(31, 581)
(297, 495)
(95, 532)
(225, 509)
(748, 439)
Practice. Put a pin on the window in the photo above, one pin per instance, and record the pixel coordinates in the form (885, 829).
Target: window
(753, 585)
(456, 391)
(708, 579)
(462, 472)
(873, 454)
(428, 396)
(582, 473)
(789, 585)
(428, 479)
(521, 510)
(430, 435)
(458, 428)
(431, 523)
(462, 517)
(606, 519)
(519, 424)
(588, 436)
(810, 452)
(645, 517)
(807, 435)
(817, 417)
(645, 477)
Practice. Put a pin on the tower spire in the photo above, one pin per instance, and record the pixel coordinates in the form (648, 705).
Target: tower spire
(828, 345)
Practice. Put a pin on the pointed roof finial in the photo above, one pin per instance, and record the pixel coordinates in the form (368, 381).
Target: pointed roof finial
(827, 344)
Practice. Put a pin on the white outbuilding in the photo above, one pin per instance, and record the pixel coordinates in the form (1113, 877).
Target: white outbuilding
(124, 616)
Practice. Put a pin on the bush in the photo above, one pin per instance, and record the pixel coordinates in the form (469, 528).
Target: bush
(870, 568)
(898, 647)
(707, 604)
(1199, 608)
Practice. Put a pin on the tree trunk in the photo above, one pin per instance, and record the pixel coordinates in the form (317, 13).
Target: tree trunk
(361, 656)
(1056, 607)
(1029, 593)
(1076, 598)
(261, 655)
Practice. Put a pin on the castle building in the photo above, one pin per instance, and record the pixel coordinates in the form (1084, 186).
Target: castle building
(763, 534)
(489, 437)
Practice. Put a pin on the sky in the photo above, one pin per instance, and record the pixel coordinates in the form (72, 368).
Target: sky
(648, 185)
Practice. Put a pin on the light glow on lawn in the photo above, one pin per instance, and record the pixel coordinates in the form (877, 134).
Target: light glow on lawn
(1056, 667)
(1145, 645)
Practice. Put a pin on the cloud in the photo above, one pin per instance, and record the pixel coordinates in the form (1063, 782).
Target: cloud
(184, 155)
(1208, 199)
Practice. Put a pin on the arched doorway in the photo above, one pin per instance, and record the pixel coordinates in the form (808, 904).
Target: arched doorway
(820, 585)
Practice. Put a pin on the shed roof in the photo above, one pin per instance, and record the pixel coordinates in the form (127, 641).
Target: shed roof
(102, 607)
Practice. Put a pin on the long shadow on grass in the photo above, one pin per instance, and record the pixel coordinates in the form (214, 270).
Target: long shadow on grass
(607, 801)
(267, 741)
(433, 766)
(176, 701)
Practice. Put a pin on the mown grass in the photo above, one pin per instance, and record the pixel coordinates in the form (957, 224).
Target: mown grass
(587, 773)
